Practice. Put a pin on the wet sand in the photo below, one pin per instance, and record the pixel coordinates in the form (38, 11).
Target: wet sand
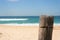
(9, 32)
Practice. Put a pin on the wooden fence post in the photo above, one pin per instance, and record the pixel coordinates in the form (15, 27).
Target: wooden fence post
(46, 28)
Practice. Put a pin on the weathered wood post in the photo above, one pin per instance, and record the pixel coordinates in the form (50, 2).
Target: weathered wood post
(46, 28)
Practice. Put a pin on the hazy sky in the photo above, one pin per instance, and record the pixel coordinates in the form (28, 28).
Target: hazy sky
(29, 7)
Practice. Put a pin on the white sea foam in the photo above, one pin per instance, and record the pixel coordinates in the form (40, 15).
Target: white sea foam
(13, 19)
(28, 24)
(56, 24)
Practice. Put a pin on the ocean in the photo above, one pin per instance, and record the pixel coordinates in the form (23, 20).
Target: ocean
(25, 20)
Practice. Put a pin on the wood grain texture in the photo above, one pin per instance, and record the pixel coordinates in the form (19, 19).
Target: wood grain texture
(46, 27)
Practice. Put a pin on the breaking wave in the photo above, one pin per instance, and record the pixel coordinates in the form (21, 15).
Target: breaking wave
(13, 19)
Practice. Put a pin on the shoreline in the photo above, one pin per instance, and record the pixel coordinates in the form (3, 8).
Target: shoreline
(37, 25)
(55, 27)
(29, 24)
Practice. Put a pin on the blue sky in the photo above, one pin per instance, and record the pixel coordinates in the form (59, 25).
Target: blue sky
(29, 7)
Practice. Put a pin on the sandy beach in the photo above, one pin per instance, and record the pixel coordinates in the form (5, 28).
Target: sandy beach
(9, 32)
(56, 32)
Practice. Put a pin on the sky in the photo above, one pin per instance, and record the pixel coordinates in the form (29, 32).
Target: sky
(29, 7)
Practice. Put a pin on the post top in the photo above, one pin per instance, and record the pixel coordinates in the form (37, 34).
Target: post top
(46, 21)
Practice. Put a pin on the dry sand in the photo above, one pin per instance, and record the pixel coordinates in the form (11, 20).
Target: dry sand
(24, 32)
(18, 32)
(56, 33)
